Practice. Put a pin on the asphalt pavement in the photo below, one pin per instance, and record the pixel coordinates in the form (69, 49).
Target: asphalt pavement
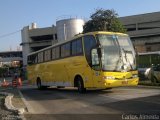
(67, 103)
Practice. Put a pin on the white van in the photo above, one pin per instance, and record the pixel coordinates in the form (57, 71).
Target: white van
(153, 73)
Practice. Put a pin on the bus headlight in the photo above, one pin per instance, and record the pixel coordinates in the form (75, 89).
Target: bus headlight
(108, 77)
(134, 76)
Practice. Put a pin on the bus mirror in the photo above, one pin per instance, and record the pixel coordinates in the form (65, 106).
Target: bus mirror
(95, 59)
(99, 52)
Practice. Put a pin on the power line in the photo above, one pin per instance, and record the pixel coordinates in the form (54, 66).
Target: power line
(6, 35)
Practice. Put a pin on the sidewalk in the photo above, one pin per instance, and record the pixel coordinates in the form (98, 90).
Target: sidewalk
(15, 102)
(148, 84)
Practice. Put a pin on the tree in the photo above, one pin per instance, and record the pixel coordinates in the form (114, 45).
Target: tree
(104, 20)
(2, 71)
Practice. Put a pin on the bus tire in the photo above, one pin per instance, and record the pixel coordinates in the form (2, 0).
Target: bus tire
(60, 86)
(39, 85)
(108, 88)
(80, 85)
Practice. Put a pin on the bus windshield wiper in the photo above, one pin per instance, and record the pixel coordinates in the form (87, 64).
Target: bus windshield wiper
(120, 55)
(126, 58)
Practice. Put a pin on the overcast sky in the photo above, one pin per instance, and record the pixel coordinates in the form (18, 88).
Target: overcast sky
(15, 14)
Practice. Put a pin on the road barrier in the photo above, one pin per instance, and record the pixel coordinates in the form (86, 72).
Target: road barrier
(14, 82)
(19, 82)
(5, 83)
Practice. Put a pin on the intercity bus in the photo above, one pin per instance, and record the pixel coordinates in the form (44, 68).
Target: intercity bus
(146, 60)
(97, 60)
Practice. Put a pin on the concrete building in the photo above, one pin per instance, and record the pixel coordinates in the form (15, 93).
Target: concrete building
(34, 38)
(144, 30)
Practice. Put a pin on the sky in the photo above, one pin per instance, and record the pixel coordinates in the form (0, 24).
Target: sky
(15, 14)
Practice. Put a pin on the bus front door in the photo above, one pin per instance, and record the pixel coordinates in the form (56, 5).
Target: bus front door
(96, 69)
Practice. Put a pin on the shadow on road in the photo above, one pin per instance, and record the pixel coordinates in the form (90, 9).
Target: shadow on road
(60, 93)
(136, 106)
(74, 90)
(145, 105)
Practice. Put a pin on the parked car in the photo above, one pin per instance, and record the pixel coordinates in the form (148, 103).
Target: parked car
(141, 73)
(153, 73)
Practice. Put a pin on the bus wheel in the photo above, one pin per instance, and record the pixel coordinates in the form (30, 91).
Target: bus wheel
(60, 87)
(80, 86)
(39, 86)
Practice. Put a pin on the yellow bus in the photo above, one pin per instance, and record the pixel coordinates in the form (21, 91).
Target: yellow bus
(93, 60)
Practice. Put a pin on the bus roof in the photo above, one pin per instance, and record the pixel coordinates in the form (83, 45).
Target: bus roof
(105, 32)
(149, 53)
(78, 36)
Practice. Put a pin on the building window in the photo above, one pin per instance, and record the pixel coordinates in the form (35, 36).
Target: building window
(148, 48)
(55, 36)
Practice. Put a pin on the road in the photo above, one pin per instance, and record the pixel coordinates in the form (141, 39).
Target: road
(116, 103)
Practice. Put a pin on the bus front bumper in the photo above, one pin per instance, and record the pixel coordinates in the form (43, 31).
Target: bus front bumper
(119, 83)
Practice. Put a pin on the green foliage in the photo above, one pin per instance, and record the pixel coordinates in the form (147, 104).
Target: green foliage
(104, 20)
(2, 71)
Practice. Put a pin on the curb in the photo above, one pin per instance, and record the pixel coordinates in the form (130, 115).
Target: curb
(28, 106)
(10, 107)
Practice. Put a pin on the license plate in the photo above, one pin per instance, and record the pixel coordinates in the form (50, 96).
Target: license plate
(124, 82)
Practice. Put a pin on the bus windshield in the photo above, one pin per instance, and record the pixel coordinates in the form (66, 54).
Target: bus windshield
(117, 52)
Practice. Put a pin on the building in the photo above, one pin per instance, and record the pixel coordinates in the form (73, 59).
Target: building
(144, 30)
(10, 58)
(34, 38)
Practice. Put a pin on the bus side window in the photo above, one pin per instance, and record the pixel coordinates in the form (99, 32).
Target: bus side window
(57, 52)
(53, 53)
(158, 67)
(35, 58)
(40, 57)
(29, 60)
(74, 48)
(65, 50)
(77, 47)
(47, 55)
(32, 59)
(89, 43)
